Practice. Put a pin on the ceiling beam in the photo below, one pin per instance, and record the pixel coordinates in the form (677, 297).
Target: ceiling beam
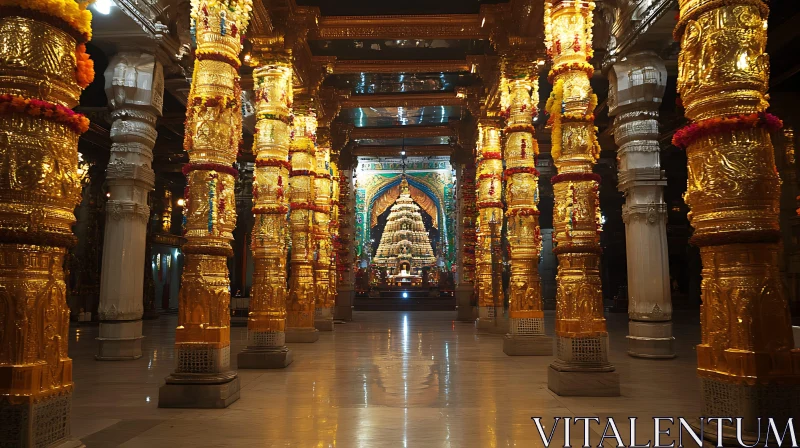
(402, 100)
(393, 150)
(428, 26)
(402, 132)
(354, 67)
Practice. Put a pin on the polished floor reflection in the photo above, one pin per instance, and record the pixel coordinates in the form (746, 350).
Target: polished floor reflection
(387, 379)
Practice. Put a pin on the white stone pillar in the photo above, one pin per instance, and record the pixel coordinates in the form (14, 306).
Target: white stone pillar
(637, 87)
(135, 89)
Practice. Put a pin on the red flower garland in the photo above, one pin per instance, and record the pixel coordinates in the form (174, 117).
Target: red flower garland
(189, 167)
(233, 62)
(704, 128)
(564, 68)
(490, 204)
(296, 173)
(265, 163)
(521, 170)
(46, 110)
(301, 206)
(575, 177)
(492, 155)
(488, 176)
(280, 210)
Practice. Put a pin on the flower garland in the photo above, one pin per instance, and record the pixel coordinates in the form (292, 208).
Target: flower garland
(555, 107)
(279, 210)
(43, 109)
(490, 204)
(232, 14)
(529, 128)
(296, 173)
(204, 55)
(301, 206)
(287, 119)
(684, 137)
(210, 102)
(189, 167)
(575, 177)
(84, 67)
(521, 170)
(572, 66)
(265, 163)
(485, 176)
(492, 155)
(73, 15)
(527, 211)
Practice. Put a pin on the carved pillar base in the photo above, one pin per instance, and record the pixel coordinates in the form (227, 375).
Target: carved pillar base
(37, 423)
(323, 319)
(582, 368)
(466, 312)
(650, 340)
(344, 303)
(265, 350)
(492, 320)
(120, 341)
(198, 391)
(526, 338)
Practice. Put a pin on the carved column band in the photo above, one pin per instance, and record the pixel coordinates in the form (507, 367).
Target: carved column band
(303, 154)
(42, 70)
(581, 336)
(324, 297)
(202, 375)
(135, 90)
(266, 323)
(746, 360)
(520, 92)
(637, 86)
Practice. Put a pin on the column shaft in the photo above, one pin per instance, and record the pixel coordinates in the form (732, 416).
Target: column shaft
(324, 294)
(266, 323)
(467, 236)
(135, 88)
(345, 257)
(526, 317)
(637, 86)
(489, 180)
(40, 186)
(202, 376)
(746, 361)
(301, 300)
(581, 366)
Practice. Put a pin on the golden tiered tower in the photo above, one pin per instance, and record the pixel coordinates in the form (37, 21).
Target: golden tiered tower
(405, 243)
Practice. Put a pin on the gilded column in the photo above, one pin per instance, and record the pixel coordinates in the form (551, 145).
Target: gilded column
(43, 67)
(345, 260)
(637, 86)
(334, 232)
(202, 376)
(266, 323)
(135, 90)
(746, 361)
(467, 236)
(489, 180)
(581, 367)
(323, 296)
(303, 155)
(520, 92)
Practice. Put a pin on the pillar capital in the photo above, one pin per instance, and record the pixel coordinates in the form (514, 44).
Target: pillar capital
(637, 83)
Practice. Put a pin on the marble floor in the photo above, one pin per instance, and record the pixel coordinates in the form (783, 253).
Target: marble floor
(386, 379)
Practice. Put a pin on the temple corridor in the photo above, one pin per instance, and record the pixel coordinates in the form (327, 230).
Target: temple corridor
(386, 379)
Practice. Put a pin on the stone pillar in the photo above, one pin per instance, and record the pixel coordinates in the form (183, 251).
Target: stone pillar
(581, 367)
(637, 86)
(489, 180)
(135, 90)
(467, 215)
(301, 300)
(39, 190)
(266, 323)
(324, 295)
(520, 93)
(746, 361)
(345, 258)
(202, 377)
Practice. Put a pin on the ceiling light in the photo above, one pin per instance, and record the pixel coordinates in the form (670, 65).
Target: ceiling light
(181, 202)
(103, 6)
(402, 153)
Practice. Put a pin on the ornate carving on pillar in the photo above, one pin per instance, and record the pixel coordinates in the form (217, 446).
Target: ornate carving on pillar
(324, 293)
(746, 360)
(581, 336)
(303, 155)
(637, 86)
(202, 375)
(42, 70)
(519, 95)
(266, 323)
(489, 180)
(345, 257)
(135, 90)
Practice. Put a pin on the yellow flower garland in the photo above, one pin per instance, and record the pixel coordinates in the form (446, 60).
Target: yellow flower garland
(74, 13)
(553, 108)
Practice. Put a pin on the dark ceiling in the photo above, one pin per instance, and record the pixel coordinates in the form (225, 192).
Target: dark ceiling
(372, 7)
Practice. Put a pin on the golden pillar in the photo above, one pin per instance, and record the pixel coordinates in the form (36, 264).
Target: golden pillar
(202, 376)
(44, 67)
(334, 231)
(266, 323)
(520, 91)
(489, 180)
(746, 361)
(303, 156)
(324, 293)
(581, 367)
